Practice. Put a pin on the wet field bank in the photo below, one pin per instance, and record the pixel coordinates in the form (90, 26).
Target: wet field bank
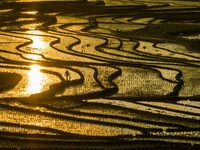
(123, 73)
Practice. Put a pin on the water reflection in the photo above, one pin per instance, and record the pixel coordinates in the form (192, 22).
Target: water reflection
(39, 45)
(38, 41)
(35, 78)
(34, 57)
(29, 12)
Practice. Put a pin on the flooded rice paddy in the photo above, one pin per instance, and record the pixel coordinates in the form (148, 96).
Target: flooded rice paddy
(118, 72)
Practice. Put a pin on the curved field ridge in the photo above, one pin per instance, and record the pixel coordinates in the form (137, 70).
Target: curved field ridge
(121, 74)
(8, 80)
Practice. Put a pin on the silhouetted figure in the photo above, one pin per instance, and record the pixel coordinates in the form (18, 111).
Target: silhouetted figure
(67, 75)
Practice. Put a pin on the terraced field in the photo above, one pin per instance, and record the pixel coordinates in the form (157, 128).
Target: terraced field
(100, 74)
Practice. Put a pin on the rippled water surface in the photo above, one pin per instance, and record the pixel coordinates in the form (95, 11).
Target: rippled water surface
(114, 72)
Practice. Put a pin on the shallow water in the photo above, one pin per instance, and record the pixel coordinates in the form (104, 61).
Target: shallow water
(123, 70)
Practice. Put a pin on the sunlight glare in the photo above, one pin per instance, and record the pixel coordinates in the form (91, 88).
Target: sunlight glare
(39, 44)
(30, 12)
(34, 57)
(35, 77)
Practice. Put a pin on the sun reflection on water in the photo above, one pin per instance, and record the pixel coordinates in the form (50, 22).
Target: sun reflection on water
(38, 40)
(34, 57)
(35, 77)
(39, 45)
(29, 12)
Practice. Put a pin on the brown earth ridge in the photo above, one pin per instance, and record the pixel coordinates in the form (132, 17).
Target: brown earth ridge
(100, 74)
